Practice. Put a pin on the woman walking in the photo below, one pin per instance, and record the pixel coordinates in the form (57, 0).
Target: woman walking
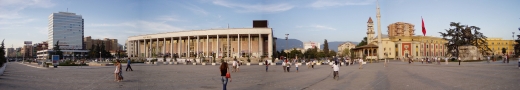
(117, 71)
(225, 74)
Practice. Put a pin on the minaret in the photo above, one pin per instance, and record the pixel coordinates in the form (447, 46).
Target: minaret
(379, 51)
(370, 30)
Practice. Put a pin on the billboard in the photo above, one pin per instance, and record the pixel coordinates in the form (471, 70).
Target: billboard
(27, 42)
(260, 24)
(55, 59)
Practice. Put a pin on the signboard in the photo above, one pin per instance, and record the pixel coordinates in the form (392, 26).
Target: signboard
(55, 59)
(27, 42)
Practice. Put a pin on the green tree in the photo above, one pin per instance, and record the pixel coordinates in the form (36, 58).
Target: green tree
(293, 53)
(504, 50)
(363, 42)
(311, 53)
(282, 53)
(57, 50)
(2, 54)
(345, 52)
(460, 35)
(332, 53)
(326, 48)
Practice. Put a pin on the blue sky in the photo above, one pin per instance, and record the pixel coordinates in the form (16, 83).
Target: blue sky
(306, 20)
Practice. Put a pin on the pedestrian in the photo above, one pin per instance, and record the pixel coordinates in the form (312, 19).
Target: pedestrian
(128, 65)
(296, 64)
(225, 75)
(283, 66)
(360, 63)
(238, 65)
(312, 64)
(488, 59)
(288, 64)
(117, 71)
(234, 65)
(266, 65)
(120, 70)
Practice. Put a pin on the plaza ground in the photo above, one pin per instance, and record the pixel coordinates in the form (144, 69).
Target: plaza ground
(374, 76)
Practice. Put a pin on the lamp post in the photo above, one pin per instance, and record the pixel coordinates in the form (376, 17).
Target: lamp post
(286, 43)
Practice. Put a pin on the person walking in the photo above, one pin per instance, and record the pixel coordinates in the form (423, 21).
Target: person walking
(117, 71)
(225, 75)
(283, 66)
(288, 64)
(266, 65)
(296, 64)
(360, 63)
(128, 65)
(234, 65)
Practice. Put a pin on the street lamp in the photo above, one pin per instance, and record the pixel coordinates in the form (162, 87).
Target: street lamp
(286, 43)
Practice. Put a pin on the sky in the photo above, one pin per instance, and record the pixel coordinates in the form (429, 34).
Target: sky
(305, 20)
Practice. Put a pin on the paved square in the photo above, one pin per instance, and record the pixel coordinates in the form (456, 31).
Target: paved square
(398, 76)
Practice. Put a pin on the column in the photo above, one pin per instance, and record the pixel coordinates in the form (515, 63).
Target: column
(207, 46)
(260, 45)
(164, 46)
(188, 47)
(399, 50)
(249, 45)
(228, 47)
(198, 44)
(270, 44)
(171, 47)
(179, 46)
(145, 49)
(218, 46)
(239, 45)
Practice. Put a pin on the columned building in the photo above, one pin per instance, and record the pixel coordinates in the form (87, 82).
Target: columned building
(223, 43)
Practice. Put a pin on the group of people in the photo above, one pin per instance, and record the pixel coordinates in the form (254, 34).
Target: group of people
(286, 64)
(118, 73)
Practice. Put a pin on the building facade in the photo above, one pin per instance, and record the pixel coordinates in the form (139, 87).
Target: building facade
(110, 44)
(231, 42)
(310, 44)
(496, 45)
(346, 46)
(401, 42)
(67, 28)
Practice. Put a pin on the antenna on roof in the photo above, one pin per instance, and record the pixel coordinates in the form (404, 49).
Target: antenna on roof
(228, 25)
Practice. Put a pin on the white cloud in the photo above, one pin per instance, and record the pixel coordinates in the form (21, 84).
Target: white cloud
(9, 9)
(317, 27)
(142, 25)
(260, 8)
(196, 9)
(171, 18)
(331, 3)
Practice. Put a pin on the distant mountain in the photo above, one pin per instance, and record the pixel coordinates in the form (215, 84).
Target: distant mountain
(281, 43)
(334, 45)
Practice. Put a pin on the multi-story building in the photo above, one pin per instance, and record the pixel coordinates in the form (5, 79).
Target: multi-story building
(111, 45)
(345, 46)
(310, 44)
(224, 43)
(67, 28)
(27, 51)
(496, 45)
(10, 52)
(401, 43)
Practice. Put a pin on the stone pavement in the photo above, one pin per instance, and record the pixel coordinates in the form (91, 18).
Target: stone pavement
(398, 76)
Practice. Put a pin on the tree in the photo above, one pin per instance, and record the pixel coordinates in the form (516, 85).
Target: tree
(2, 54)
(282, 53)
(57, 50)
(504, 50)
(293, 53)
(311, 53)
(517, 48)
(326, 48)
(332, 53)
(363, 42)
(464, 35)
(345, 52)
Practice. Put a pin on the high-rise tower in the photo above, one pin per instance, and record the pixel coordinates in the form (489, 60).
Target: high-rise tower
(379, 51)
(67, 28)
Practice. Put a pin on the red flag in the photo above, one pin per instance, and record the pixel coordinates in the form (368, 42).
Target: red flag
(423, 28)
